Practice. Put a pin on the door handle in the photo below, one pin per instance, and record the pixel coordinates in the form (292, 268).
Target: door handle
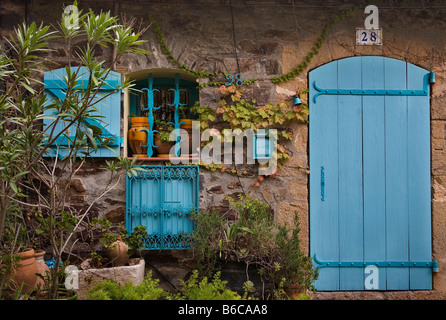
(322, 183)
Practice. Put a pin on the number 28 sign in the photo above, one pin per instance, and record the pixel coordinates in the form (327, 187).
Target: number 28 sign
(368, 37)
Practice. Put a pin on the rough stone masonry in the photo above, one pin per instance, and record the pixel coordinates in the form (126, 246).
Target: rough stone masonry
(265, 39)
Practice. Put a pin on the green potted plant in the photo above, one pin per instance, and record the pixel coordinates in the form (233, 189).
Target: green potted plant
(186, 116)
(162, 138)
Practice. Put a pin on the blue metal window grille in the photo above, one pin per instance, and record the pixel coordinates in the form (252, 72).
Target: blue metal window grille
(151, 87)
(162, 198)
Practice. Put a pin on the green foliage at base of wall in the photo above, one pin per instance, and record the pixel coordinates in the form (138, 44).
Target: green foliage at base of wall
(256, 239)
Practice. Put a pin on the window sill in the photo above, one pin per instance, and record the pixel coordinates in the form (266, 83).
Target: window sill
(162, 158)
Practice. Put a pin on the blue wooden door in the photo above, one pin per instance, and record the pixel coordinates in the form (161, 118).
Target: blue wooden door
(162, 198)
(106, 103)
(369, 140)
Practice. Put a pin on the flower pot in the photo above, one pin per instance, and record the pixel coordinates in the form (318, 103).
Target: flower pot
(42, 267)
(187, 126)
(25, 271)
(138, 138)
(163, 149)
(117, 253)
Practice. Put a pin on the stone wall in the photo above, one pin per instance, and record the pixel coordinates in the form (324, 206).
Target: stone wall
(263, 39)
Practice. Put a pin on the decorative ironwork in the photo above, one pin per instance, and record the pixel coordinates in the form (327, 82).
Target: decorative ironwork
(162, 198)
(388, 264)
(429, 78)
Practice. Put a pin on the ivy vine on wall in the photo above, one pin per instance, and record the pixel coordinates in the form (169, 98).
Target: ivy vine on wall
(295, 72)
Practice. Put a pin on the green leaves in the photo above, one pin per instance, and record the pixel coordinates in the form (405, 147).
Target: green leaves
(126, 40)
(98, 28)
(23, 106)
(70, 22)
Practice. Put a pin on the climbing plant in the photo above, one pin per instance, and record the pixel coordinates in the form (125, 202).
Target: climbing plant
(295, 72)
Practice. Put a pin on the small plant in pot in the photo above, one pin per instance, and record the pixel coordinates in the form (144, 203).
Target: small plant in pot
(162, 138)
(187, 115)
(119, 248)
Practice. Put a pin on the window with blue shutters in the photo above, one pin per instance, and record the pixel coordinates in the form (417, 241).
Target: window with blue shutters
(369, 156)
(107, 106)
(162, 198)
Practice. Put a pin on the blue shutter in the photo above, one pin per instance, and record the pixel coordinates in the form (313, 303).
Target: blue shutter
(162, 198)
(109, 108)
(369, 139)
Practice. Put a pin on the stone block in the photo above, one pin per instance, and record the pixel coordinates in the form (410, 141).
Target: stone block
(298, 190)
(438, 162)
(215, 189)
(116, 215)
(88, 278)
(77, 184)
(438, 229)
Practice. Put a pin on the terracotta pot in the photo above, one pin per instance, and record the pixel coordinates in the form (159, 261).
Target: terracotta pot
(187, 123)
(187, 126)
(163, 149)
(138, 138)
(25, 271)
(117, 253)
(42, 267)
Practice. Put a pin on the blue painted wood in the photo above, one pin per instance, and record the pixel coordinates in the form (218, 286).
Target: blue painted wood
(107, 106)
(162, 198)
(323, 130)
(419, 187)
(374, 174)
(262, 145)
(375, 151)
(397, 228)
(350, 174)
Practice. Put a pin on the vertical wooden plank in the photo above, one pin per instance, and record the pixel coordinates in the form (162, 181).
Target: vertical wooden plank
(396, 175)
(110, 110)
(323, 134)
(57, 74)
(419, 191)
(350, 174)
(374, 167)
